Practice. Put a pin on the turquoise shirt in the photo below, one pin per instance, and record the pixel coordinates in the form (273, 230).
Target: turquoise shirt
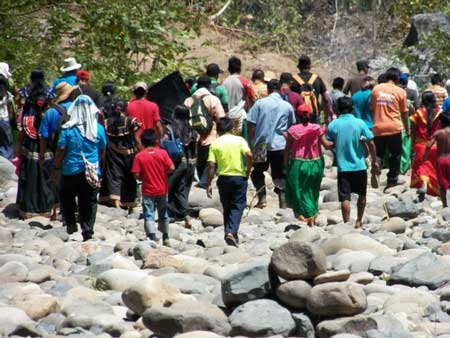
(220, 92)
(361, 105)
(346, 133)
(73, 161)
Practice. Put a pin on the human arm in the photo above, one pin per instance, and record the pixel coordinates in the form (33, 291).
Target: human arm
(249, 157)
(430, 144)
(211, 169)
(57, 163)
(346, 89)
(159, 129)
(373, 154)
(403, 106)
(326, 143)
(287, 150)
(405, 122)
(250, 132)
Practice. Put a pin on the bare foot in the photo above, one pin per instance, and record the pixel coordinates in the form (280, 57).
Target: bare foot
(358, 225)
(188, 224)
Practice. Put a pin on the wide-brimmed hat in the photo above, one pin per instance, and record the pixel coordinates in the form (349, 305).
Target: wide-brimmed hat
(63, 91)
(4, 70)
(70, 64)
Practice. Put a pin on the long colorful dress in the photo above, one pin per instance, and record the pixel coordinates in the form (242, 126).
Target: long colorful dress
(305, 170)
(35, 192)
(424, 172)
(118, 181)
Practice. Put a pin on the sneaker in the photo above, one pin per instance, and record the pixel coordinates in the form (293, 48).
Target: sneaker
(390, 185)
(166, 242)
(230, 240)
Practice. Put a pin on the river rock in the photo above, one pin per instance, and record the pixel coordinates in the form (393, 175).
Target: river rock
(251, 281)
(197, 334)
(396, 225)
(261, 318)
(422, 24)
(357, 325)
(406, 209)
(119, 280)
(337, 299)
(294, 294)
(298, 260)
(7, 173)
(38, 306)
(413, 302)
(354, 242)
(427, 269)
(332, 276)
(147, 292)
(11, 319)
(13, 272)
(184, 316)
(303, 326)
(211, 217)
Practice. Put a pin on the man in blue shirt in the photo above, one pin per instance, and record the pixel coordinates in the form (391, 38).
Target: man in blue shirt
(51, 123)
(350, 136)
(268, 120)
(361, 102)
(69, 73)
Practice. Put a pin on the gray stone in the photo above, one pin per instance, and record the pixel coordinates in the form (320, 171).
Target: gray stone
(261, 318)
(251, 281)
(185, 316)
(354, 242)
(13, 272)
(298, 260)
(332, 276)
(395, 334)
(422, 24)
(396, 225)
(7, 173)
(211, 217)
(404, 209)
(303, 326)
(357, 325)
(141, 250)
(427, 269)
(12, 318)
(337, 299)
(294, 294)
(118, 279)
(441, 235)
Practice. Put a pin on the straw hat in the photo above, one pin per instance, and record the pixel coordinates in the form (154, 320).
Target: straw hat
(70, 64)
(63, 91)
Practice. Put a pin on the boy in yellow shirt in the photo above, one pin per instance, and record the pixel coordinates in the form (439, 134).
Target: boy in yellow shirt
(228, 153)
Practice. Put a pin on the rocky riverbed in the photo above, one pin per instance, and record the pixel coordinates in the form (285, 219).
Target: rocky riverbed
(388, 279)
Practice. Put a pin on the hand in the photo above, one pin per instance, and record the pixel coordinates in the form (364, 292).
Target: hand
(375, 165)
(209, 191)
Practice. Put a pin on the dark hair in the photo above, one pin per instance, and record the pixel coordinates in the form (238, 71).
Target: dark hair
(304, 62)
(108, 88)
(273, 85)
(224, 125)
(213, 70)
(436, 78)
(382, 78)
(345, 105)
(338, 83)
(304, 119)
(286, 78)
(204, 82)
(190, 81)
(139, 92)
(295, 87)
(118, 107)
(429, 103)
(362, 65)
(37, 95)
(181, 125)
(258, 74)
(393, 74)
(234, 65)
(149, 138)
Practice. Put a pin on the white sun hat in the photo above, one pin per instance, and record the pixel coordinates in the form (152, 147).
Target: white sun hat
(70, 64)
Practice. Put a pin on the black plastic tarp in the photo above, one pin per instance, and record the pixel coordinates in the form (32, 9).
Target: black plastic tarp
(168, 93)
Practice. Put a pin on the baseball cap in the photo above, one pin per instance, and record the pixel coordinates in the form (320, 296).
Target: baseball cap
(140, 84)
(83, 75)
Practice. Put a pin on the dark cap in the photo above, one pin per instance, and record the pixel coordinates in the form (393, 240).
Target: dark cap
(204, 82)
(213, 69)
(304, 62)
(362, 64)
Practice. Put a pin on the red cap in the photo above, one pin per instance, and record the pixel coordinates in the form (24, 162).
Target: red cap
(304, 110)
(83, 75)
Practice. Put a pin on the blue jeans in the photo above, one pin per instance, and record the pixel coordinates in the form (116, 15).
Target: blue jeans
(150, 204)
(233, 196)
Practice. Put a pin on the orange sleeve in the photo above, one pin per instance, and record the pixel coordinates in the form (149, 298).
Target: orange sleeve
(403, 102)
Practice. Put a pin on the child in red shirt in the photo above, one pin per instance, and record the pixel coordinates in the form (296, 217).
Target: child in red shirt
(152, 165)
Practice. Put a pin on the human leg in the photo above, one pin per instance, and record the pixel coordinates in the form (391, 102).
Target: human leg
(258, 180)
(238, 202)
(87, 207)
(68, 192)
(394, 144)
(176, 180)
(148, 205)
(202, 160)
(163, 218)
(276, 161)
(344, 194)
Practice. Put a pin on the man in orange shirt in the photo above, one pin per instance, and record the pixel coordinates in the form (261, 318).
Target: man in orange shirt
(389, 109)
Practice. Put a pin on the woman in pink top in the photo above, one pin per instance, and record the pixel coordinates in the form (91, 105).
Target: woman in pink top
(303, 158)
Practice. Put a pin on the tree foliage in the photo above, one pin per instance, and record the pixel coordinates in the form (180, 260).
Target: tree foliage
(116, 40)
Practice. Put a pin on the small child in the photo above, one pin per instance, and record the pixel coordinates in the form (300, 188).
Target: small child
(442, 139)
(228, 153)
(152, 165)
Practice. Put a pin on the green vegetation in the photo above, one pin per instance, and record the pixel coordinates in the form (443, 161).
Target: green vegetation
(116, 40)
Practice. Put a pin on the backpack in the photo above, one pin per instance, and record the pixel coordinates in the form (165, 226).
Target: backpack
(64, 118)
(307, 92)
(200, 118)
(212, 88)
(173, 146)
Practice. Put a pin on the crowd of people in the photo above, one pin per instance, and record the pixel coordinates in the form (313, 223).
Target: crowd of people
(77, 148)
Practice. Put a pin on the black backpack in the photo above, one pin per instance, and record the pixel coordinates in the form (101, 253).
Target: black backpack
(201, 119)
(64, 118)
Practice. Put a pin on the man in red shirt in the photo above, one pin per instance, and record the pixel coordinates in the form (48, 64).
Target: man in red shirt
(152, 165)
(145, 111)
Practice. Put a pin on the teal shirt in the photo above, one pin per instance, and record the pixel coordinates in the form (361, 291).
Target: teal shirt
(361, 105)
(346, 133)
(220, 91)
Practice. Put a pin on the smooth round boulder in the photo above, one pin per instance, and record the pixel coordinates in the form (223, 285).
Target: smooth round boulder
(294, 294)
(337, 299)
(261, 318)
(211, 217)
(298, 260)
